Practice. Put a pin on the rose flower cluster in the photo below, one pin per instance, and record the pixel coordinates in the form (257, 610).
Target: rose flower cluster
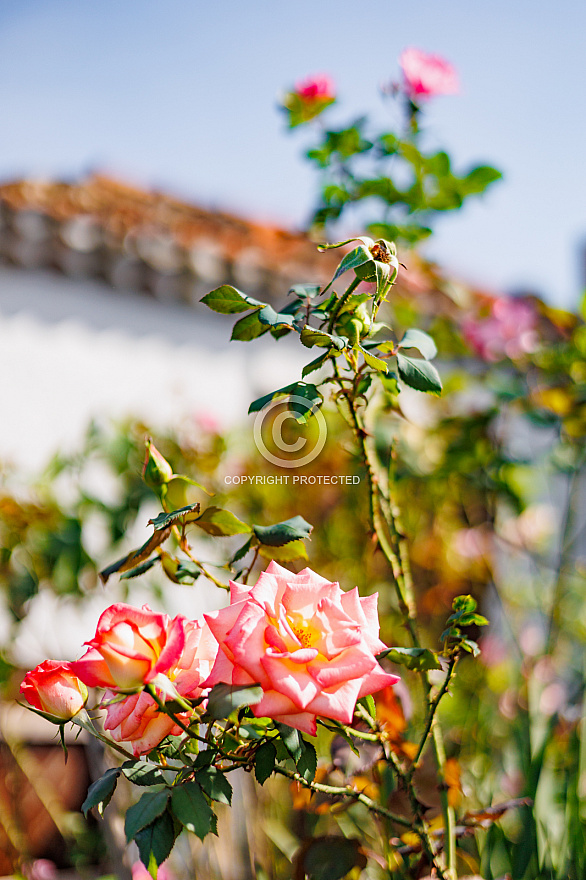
(311, 646)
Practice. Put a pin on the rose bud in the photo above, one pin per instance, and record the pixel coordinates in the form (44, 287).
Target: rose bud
(54, 689)
(130, 648)
(156, 470)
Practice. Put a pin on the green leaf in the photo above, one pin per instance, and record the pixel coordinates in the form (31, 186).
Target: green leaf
(136, 556)
(470, 646)
(307, 764)
(141, 814)
(310, 336)
(304, 401)
(389, 383)
(286, 553)
(228, 300)
(187, 572)
(309, 400)
(274, 319)
(306, 290)
(140, 569)
(263, 401)
(187, 514)
(374, 362)
(283, 532)
(100, 792)
(315, 365)
(248, 328)
(331, 858)
(292, 740)
(265, 759)
(141, 773)
(477, 180)
(356, 257)
(364, 383)
(215, 784)
(302, 752)
(221, 523)
(464, 603)
(227, 698)
(369, 704)
(241, 553)
(190, 806)
(155, 842)
(418, 659)
(419, 374)
(421, 341)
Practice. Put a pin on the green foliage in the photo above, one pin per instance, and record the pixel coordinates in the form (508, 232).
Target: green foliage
(100, 792)
(227, 698)
(416, 659)
(283, 533)
(191, 808)
(331, 858)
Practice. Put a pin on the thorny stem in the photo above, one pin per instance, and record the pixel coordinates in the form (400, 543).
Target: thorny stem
(406, 779)
(431, 714)
(385, 512)
(345, 791)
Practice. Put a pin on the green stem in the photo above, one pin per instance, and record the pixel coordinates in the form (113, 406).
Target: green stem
(336, 310)
(431, 715)
(150, 689)
(394, 549)
(83, 720)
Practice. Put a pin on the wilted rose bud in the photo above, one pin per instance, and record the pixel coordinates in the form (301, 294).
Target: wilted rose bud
(53, 688)
(384, 252)
(156, 470)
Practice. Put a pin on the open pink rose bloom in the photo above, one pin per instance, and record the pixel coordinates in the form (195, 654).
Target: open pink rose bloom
(310, 645)
(136, 718)
(53, 687)
(426, 75)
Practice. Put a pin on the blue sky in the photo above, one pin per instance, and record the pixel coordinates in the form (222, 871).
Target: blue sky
(183, 95)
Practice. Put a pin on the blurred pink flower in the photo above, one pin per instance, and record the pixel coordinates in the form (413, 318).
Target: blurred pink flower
(311, 646)
(139, 872)
(509, 331)
(40, 869)
(426, 75)
(315, 87)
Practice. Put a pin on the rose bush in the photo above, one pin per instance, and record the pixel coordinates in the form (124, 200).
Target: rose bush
(310, 645)
(53, 687)
(131, 647)
(426, 75)
(137, 719)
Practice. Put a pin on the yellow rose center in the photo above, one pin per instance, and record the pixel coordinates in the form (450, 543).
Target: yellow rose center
(303, 630)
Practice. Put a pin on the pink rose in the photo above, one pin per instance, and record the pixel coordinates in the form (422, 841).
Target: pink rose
(130, 648)
(137, 719)
(427, 75)
(315, 87)
(310, 645)
(53, 688)
(509, 331)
